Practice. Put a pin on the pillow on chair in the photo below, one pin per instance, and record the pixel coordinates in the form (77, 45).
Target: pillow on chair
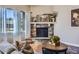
(27, 49)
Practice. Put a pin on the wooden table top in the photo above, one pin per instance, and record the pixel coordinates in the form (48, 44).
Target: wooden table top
(52, 47)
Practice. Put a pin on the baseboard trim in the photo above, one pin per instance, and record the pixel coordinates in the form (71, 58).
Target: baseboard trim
(70, 44)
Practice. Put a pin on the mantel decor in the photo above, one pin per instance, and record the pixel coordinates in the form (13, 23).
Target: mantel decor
(75, 17)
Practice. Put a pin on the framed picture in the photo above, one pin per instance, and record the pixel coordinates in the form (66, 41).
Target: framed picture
(75, 17)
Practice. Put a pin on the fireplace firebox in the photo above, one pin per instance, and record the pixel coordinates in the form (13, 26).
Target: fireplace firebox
(42, 32)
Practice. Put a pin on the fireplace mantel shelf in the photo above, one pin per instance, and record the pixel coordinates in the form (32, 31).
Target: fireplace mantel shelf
(40, 38)
(42, 22)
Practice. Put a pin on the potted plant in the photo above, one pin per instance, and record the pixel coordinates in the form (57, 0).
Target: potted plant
(55, 40)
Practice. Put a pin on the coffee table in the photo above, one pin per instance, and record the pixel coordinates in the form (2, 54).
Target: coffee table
(55, 49)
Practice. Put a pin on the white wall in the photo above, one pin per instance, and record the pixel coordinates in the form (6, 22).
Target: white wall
(68, 34)
(41, 9)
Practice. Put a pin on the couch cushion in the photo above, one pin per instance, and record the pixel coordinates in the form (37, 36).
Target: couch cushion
(5, 46)
(1, 52)
(10, 50)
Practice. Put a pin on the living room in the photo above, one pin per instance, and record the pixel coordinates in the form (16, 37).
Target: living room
(16, 36)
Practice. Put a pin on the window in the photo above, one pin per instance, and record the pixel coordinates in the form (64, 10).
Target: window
(11, 20)
(0, 19)
(9, 14)
(21, 20)
(12, 24)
